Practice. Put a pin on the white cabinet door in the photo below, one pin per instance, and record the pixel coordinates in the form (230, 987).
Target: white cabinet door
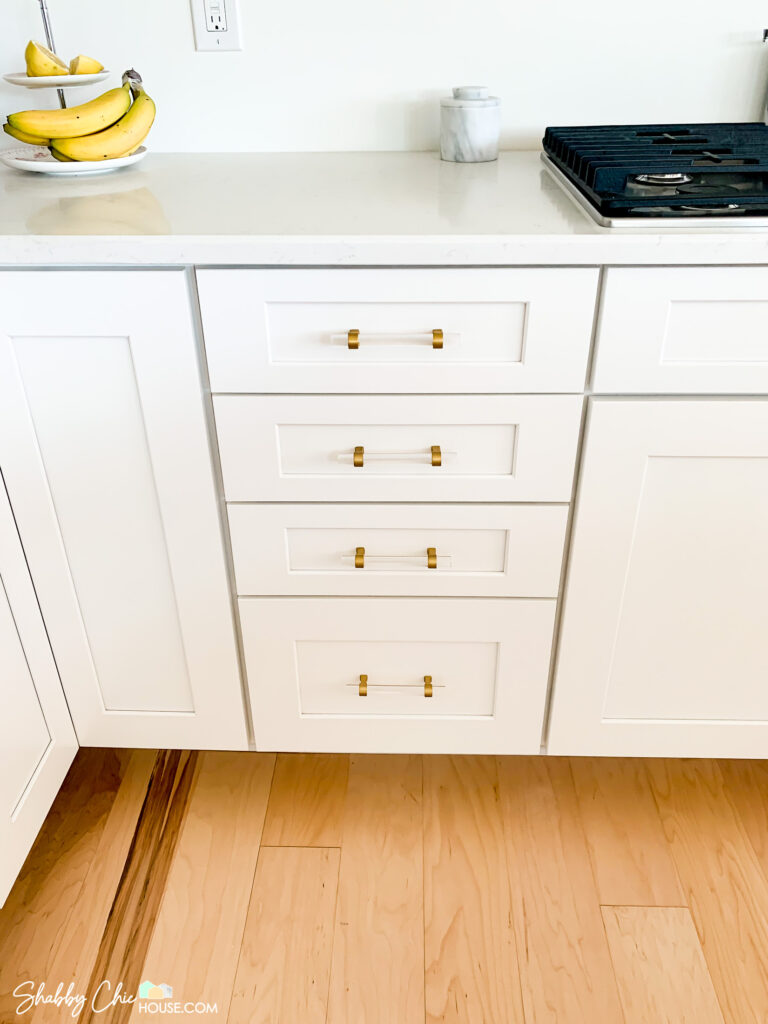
(37, 741)
(683, 330)
(664, 643)
(416, 330)
(106, 454)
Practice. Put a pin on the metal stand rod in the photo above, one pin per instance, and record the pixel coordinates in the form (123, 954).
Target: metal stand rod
(50, 42)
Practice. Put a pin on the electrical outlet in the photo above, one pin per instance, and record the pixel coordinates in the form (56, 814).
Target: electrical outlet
(216, 24)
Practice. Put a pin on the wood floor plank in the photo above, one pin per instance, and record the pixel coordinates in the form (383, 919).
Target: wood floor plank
(747, 784)
(721, 876)
(48, 888)
(631, 858)
(141, 888)
(471, 962)
(660, 968)
(565, 965)
(377, 974)
(306, 805)
(75, 952)
(285, 960)
(195, 944)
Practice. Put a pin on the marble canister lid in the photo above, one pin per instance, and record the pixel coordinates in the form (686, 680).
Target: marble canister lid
(470, 96)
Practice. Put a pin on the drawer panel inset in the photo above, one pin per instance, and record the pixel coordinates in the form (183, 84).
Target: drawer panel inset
(416, 678)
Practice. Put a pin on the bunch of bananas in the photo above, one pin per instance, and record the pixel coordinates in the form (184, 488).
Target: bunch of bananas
(42, 62)
(113, 125)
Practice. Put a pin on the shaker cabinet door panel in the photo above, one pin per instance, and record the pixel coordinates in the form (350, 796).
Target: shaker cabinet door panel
(103, 434)
(37, 741)
(417, 330)
(664, 645)
(417, 675)
(398, 447)
(683, 330)
(384, 550)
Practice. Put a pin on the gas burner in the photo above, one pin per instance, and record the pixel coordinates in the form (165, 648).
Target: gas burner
(628, 173)
(664, 180)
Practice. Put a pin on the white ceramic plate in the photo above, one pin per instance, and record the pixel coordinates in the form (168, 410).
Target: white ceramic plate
(35, 158)
(55, 81)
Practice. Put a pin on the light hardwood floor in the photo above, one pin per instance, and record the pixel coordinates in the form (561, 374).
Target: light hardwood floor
(327, 889)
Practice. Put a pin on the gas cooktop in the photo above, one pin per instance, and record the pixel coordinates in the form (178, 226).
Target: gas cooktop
(653, 174)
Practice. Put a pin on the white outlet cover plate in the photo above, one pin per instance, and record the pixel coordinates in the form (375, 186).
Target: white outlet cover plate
(206, 14)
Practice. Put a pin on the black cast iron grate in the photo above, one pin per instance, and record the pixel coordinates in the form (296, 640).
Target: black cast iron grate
(719, 168)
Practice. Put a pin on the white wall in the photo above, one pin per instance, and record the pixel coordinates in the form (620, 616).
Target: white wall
(353, 74)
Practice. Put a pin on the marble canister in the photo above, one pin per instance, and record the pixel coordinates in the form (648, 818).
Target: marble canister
(470, 124)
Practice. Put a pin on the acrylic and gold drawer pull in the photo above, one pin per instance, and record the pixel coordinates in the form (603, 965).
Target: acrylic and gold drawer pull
(360, 557)
(428, 686)
(353, 338)
(359, 455)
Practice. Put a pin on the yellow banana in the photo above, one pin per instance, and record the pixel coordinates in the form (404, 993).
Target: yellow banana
(121, 139)
(63, 159)
(83, 120)
(32, 140)
(42, 62)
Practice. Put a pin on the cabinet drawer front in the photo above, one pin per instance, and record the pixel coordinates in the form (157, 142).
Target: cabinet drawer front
(682, 330)
(479, 550)
(487, 662)
(485, 449)
(502, 330)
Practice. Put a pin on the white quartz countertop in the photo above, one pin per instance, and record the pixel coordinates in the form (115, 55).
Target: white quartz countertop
(332, 209)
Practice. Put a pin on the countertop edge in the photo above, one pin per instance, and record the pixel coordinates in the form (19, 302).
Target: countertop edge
(608, 247)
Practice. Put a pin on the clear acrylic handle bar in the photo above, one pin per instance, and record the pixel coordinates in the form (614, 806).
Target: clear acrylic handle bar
(412, 562)
(398, 455)
(355, 339)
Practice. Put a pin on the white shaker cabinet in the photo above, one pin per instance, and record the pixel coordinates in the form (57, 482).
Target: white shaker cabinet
(36, 736)
(107, 460)
(664, 642)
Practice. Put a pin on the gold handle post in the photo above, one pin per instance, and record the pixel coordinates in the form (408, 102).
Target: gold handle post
(358, 456)
(427, 686)
(353, 339)
(362, 689)
(359, 558)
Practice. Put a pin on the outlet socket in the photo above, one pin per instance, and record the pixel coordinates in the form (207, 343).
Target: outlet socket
(217, 25)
